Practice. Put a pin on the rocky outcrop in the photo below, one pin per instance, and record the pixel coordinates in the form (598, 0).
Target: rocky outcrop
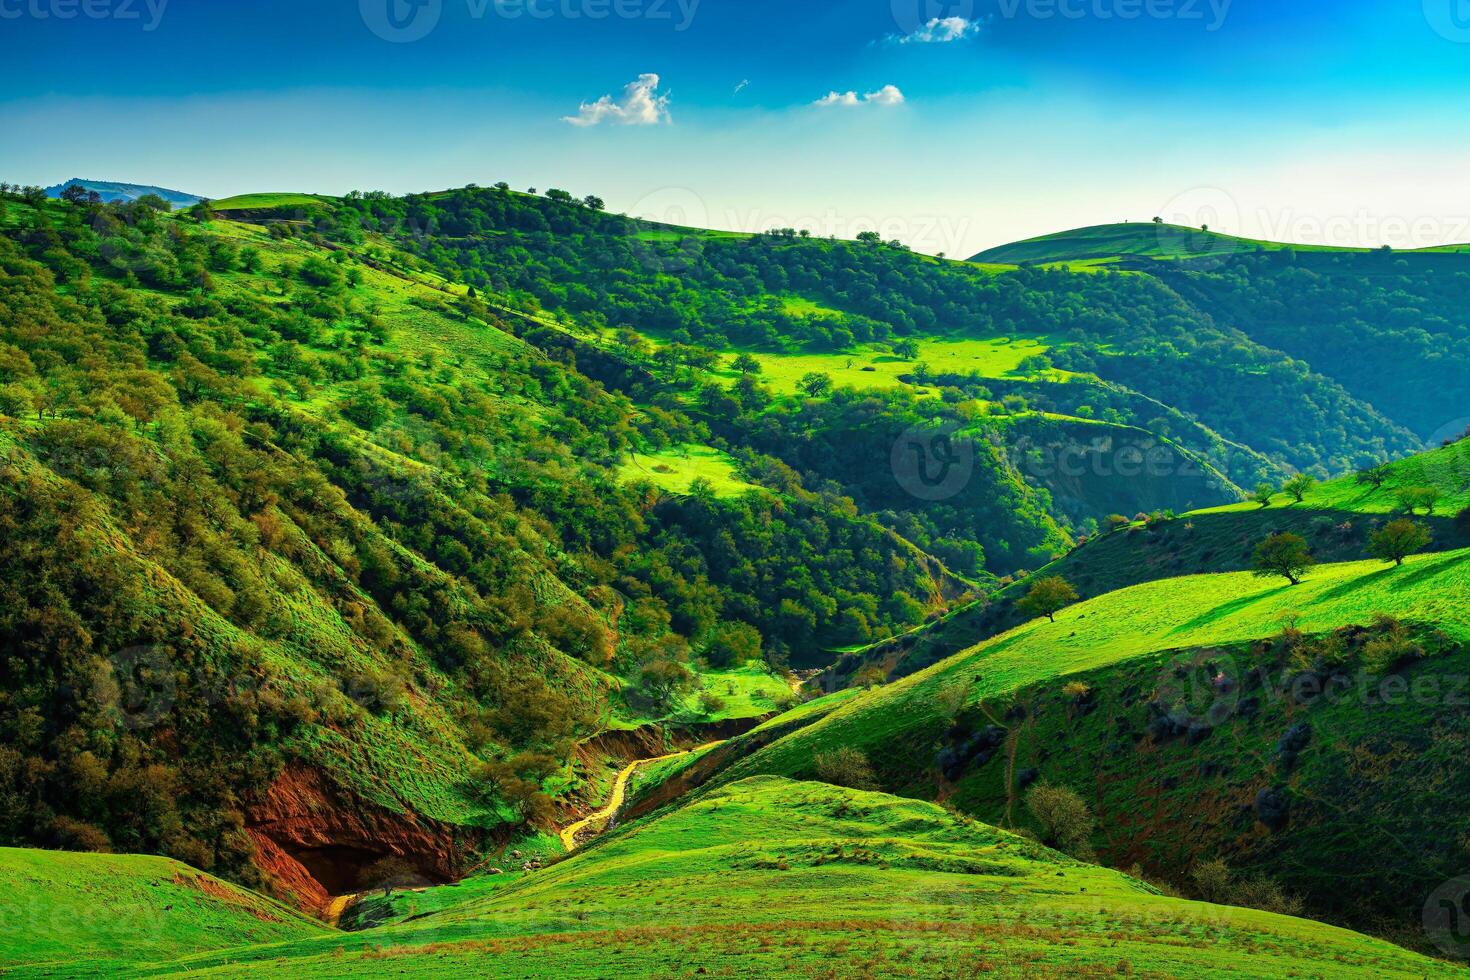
(315, 840)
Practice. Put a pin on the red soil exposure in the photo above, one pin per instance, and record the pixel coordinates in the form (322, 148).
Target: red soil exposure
(315, 841)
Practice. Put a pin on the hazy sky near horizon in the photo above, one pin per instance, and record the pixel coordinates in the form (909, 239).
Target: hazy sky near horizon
(953, 125)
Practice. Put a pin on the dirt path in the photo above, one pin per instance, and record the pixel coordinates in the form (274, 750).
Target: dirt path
(333, 913)
(619, 793)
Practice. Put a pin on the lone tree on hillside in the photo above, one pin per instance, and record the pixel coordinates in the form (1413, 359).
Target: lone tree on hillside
(815, 384)
(1264, 494)
(1374, 476)
(1412, 498)
(1298, 487)
(389, 873)
(747, 364)
(908, 349)
(1398, 540)
(1066, 822)
(1283, 554)
(1048, 597)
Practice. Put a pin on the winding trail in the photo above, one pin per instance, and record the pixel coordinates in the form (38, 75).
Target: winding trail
(332, 915)
(619, 793)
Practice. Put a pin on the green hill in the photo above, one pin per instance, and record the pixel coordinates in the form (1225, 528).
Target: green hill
(112, 911)
(1128, 643)
(806, 879)
(1105, 244)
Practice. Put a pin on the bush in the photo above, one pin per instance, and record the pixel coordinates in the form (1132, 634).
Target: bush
(731, 644)
(1065, 820)
(846, 767)
(1214, 882)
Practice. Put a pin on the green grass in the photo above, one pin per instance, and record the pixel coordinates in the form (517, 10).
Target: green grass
(1446, 469)
(254, 202)
(676, 469)
(748, 692)
(803, 879)
(104, 910)
(876, 367)
(1086, 249)
(1171, 614)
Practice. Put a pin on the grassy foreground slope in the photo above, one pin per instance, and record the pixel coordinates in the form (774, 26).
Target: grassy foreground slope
(106, 910)
(805, 879)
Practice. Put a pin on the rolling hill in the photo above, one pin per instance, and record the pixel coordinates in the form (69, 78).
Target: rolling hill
(113, 191)
(772, 876)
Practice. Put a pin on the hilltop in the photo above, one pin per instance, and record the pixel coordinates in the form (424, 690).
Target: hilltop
(1113, 244)
(115, 191)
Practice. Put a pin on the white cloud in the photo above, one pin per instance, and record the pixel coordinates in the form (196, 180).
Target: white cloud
(887, 95)
(641, 104)
(742, 86)
(942, 30)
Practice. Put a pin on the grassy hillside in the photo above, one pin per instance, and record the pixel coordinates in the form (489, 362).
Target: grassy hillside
(1105, 244)
(807, 879)
(298, 541)
(100, 912)
(1336, 518)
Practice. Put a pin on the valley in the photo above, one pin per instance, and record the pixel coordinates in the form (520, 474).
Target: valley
(480, 581)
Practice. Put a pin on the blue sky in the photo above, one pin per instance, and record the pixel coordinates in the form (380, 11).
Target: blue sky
(951, 124)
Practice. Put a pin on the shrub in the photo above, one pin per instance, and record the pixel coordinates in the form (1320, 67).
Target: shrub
(731, 644)
(846, 767)
(1065, 820)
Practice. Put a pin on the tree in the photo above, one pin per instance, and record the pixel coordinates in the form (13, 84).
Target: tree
(908, 349)
(1048, 597)
(662, 678)
(746, 364)
(1398, 540)
(1373, 476)
(731, 644)
(74, 194)
(559, 195)
(1283, 554)
(389, 873)
(1412, 498)
(594, 202)
(846, 766)
(1298, 487)
(1064, 818)
(1264, 494)
(815, 384)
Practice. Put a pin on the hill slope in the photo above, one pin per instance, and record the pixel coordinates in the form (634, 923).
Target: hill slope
(63, 911)
(770, 876)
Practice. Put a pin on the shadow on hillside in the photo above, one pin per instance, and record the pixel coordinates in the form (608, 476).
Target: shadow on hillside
(1226, 609)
